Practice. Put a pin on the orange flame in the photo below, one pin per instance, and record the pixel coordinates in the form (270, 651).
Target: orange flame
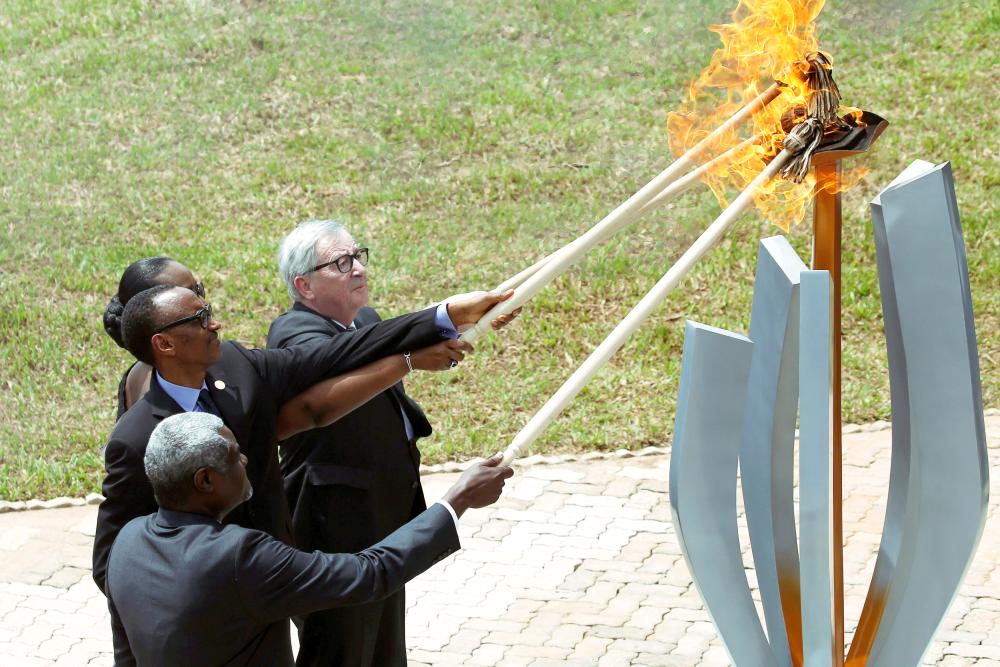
(762, 45)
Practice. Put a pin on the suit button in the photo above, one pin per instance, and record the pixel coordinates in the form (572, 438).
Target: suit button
(415, 485)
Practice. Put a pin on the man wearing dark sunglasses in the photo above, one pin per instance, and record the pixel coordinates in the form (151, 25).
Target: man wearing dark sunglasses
(355, 481)
(173, 330)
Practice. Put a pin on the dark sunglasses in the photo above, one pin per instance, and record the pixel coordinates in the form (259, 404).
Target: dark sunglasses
(198, 289)
(204, 317)
(345, 263)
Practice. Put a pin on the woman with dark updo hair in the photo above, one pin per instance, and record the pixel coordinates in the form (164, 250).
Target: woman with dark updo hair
(140, 276)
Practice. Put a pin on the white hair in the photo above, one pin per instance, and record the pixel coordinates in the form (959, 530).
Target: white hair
(297, 254)
(178, 447)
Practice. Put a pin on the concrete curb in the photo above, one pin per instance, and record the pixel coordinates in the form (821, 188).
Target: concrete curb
(453, 466)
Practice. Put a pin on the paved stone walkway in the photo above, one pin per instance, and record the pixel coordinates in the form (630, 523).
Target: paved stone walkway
(577, 564)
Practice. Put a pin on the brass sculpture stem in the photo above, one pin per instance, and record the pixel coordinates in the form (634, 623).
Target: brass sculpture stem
(827, 219)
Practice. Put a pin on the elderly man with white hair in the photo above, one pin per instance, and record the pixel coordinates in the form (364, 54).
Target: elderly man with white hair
(351, 483)
(190, 590)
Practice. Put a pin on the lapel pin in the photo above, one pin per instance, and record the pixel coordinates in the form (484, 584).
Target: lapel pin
(219, 384)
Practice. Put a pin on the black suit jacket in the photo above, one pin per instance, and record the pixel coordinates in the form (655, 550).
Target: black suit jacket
(193, 592)
(353, 482)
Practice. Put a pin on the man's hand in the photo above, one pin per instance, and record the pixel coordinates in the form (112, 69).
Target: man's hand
(466, 309)
(479, 486)
(440, 356)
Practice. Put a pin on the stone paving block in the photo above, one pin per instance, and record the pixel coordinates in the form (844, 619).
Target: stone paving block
(647, 618)
(654, 660)
(637, 577)
(531, 636)
(436, 657)
(567, 635)
(52, 604)
(616, 658)
(596, 501)
(522, 610)
(36, 633)
(54, 647)
(570, 515)
(640, 473)
(956, 661)
(692, 645)
(641, 646)
(555, 474)
(493, 625)
(669, 631)
(624, 605)
(525, 488)
(494, 530)
(75, 659)
(621, 487)
(487, 654)
(27, 590)
(516, 661)
(590, 648)
(547, 619)
(973, 650)
(596, 619)
(614, 538)
(531, 651)
(21, 660)
(655, 485)
(616, 632)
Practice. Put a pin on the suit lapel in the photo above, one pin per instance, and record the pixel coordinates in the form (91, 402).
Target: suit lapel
(162, 405)
(227, 398)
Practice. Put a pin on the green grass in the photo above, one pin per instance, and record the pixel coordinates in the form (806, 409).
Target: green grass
(460, 141)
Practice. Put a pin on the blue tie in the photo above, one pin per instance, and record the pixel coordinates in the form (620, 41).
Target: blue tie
(206, 404)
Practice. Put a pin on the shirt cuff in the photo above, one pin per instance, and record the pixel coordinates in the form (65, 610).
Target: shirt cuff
(443, 322)
(451, 510)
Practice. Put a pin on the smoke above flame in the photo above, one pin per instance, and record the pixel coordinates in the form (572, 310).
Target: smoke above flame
(765, 43)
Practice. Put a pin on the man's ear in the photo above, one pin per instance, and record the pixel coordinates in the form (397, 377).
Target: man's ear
(302, 287)
(203, 480)
(163, 346)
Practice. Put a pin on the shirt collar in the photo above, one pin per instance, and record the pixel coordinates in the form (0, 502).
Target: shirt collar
(298, 305)
(175, 518)
(186, 397)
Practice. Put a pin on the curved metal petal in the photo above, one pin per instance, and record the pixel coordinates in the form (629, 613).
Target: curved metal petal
(766, 455)
(815, 471)
(939, 483)
(703, 460)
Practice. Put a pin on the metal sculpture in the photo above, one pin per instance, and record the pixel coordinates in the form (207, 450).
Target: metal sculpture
(939, 479)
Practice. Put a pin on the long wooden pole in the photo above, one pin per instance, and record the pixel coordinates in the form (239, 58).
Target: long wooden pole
(678, 187)
(640, 313)
(631, 206)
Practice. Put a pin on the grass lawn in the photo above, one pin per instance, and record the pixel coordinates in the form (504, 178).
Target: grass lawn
(460, 142)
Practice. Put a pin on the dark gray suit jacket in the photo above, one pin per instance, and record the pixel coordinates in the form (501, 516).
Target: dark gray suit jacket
(190, 591)
(351, 483)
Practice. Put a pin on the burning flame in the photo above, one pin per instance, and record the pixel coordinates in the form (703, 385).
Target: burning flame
(766, 42)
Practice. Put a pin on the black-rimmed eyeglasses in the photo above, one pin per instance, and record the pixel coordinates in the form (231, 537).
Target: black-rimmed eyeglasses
(345, 263)
(204, 317)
